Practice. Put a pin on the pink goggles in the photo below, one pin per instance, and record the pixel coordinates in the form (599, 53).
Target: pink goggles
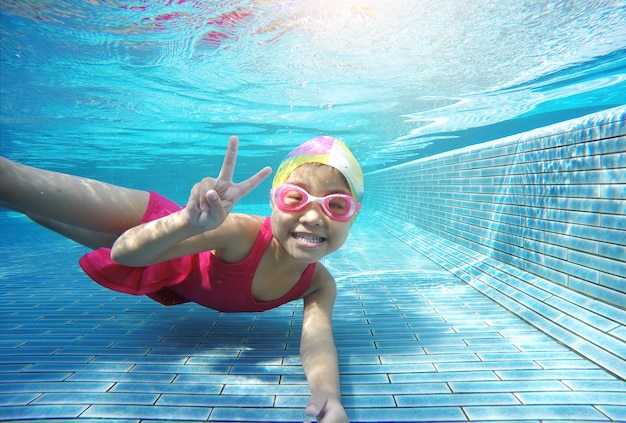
(293, 198)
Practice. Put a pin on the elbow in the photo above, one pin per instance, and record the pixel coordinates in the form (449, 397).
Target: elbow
(118, 255)
(121, 255)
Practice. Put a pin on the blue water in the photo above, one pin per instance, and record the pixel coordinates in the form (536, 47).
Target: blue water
(144, 92)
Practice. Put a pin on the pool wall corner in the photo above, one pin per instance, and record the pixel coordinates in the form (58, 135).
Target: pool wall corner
(536, 221)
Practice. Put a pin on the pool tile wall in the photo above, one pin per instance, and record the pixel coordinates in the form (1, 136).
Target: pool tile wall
(536, 221)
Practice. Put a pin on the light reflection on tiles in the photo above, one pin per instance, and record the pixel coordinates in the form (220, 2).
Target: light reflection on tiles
(415, 344)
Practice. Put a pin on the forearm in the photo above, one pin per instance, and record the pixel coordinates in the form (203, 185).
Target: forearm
(320, 363)
(144, 244)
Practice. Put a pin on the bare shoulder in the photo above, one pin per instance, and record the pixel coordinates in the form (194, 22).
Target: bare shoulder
(323, 275)
(237, 235)
(242, 223)
(323, 288)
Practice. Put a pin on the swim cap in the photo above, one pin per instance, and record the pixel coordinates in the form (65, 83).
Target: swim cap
(327, 151)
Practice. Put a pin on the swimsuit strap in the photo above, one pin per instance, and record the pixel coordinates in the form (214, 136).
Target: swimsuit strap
(264, 238)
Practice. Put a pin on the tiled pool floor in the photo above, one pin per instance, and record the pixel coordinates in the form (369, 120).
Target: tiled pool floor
(415, 344)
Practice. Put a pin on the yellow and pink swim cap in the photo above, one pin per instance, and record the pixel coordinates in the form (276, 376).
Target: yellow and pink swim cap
(327, 151)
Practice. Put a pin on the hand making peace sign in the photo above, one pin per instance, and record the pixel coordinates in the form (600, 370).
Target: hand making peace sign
(211, 200)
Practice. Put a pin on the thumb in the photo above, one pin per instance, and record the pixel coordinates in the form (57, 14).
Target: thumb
(315, 405)
(214, 202)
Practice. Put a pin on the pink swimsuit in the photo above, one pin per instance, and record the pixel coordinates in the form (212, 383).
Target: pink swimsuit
(202, 278)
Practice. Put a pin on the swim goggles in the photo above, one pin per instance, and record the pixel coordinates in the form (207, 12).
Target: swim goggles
(293, 198)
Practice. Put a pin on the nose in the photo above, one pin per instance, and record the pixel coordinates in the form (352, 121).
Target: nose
(313, 214)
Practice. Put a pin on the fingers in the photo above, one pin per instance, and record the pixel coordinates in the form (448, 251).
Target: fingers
(198, 192)
(325, 408)
(214, 203)
(315, 406)
(230, 159)
(254, 181)
(228, 169)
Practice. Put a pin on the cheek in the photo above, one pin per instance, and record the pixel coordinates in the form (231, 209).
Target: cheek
(279, 222)
(340, 235)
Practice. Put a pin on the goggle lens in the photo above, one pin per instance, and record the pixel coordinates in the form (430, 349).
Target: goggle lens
(293, 198)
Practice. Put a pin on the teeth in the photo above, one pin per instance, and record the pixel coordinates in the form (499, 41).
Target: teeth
(309, 238)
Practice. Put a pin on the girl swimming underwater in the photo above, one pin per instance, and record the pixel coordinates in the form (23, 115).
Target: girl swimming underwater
(144, 244)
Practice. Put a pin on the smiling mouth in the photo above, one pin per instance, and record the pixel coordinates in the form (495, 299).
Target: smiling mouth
(308, 238)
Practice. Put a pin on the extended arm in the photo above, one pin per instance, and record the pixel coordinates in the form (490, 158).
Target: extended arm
(319, 354)
(195, 228)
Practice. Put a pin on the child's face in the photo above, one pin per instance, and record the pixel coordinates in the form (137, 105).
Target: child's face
(309, 235)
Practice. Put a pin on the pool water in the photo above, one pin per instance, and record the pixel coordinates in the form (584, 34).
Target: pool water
(124, 89)
(415, 343)
(145, 94)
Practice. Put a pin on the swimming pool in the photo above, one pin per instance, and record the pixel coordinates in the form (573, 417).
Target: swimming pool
(174, 79)
(145, 94)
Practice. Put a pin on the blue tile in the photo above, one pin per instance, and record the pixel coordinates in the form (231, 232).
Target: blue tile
(456, 400)
(619, 332)
(387, 368)
(33, 377)
(17, 399)
(31, 357)
(507, 386)
(575, 398)
(184, 369)
(567, 364)
(497, 348)
(559, 374)
(596, 385)
(264, 388)
(122, 377)
(147, 412)
(117, 352)
(241, 361)
(41, 412)
(551, 412)
(55, 387)
(615, 412)
(217, 400)
(396, 389)
(614, 361)
(243, 414)
(145, 359)
(429, 358)
(489, 365)
(96, 398)
(348, 401)
(163, 388)
(364, 379)
(346, 380)
(444, 377)
(265, 369)
(397, 415)
(258, 379)
(89, 367)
